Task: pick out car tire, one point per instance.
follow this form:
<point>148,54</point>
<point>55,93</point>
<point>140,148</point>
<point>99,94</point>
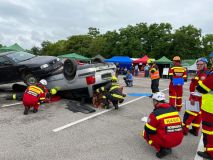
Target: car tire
<point>70,67</point>
<point>30,79</point>
<point>98,60</point>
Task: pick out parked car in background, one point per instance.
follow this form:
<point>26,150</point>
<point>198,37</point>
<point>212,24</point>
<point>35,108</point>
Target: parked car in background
<point>22,66</point>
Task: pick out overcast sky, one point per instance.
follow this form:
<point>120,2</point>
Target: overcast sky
<point>29,22</point>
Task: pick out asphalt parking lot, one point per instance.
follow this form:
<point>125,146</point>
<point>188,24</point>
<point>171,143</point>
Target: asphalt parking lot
<point>58,134</point>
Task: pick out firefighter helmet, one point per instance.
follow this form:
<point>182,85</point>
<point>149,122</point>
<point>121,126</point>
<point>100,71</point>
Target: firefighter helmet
<point>43,82</point>
<point>203,59</point>
<point>114,79</point>
<point>176,58</point>
<point>159,96</point>
<point>149,61</point>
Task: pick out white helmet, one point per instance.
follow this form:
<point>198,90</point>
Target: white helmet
<point>43,81</point>
<point>159,96</point>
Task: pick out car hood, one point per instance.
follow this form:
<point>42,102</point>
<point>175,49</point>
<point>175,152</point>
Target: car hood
<point>38,60</point>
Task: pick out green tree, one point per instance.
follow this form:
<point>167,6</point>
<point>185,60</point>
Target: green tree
<point>111,47</point>
<point>186,41</point>
<point>79,44</point>
<point>94,32</point>
<point>207,44</point>
<point>35,50</point>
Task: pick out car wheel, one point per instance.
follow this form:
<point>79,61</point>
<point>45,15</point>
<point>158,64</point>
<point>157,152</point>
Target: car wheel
<point>70,67</point>
<point>30,79</point>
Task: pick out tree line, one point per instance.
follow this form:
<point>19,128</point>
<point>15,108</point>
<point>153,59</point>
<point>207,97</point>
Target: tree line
<point>154,40</point>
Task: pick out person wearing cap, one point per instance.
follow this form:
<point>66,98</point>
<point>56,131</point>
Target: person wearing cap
<point>206,88</point>
<point>163,129</point>
<point>33,95</point>
<point>111,92</point>
<point>191,117</point>
<point>154,75</point>
<point>177,75</point>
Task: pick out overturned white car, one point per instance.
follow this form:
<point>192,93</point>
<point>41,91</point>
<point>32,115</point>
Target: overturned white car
<point>76,81</point>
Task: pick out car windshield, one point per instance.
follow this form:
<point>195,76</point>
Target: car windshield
<point>20,56</point>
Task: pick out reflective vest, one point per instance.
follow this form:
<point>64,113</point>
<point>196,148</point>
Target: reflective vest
<point>207,99</point>
<point>154,72</point>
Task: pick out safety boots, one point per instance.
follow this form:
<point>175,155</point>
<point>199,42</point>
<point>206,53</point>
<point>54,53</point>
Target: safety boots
<point>204,155</point>
<point>163,152</point>
<point>26,110</point>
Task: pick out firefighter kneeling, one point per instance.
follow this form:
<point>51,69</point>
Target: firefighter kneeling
<point>33,95</point>
<point>163,129</point>
<point>112,92</point>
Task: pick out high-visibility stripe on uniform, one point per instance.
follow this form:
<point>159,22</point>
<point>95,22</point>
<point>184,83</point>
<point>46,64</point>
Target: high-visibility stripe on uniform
<point>167,115</point>
<point>179,97</point>
<point>42,98</point>
<point>184,76</point>
<point>178,68</point>
<point>191,113</point>
<point>114,87</point>
<point>204,86</point>
<point>196,78</point>
<point>14,96</point>
<point>195,125</point>
<point>172,96</point>
<point>183,124</point>
<point>207,132</point>
<point>151,127</point>
<point>142,133</point>
<point>150,142</point>
<point>36,89</point>
<point>117,96</point>
<point>102,88</point>
<point>103,96</point>
<point>171,74</point>
<point>208,149</point>
<point>179,105</point>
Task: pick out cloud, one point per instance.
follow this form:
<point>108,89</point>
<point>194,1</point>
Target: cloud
<point>31,22</point>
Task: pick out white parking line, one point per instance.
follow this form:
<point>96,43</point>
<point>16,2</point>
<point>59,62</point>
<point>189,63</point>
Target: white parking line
<point>95,115</point>
<point>13,104</point>
<point>199,148</point>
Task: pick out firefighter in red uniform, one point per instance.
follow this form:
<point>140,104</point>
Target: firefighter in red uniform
<point>191,117</point>
<point>177,76</point>
<point>163,129</point>
<point>154,75</point>
<point>33,95</point>
<point>206,88</point>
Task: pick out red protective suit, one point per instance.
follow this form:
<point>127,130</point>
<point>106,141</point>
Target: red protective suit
<point>176,90</point>
<point>32,97</point>
<point>206,88</point>
<point>163,129</point>
<point>191,117</point>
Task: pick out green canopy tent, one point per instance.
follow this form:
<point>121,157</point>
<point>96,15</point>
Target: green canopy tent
<point>74,56</point>
<point>190,64</point>
<point>163,60</point>
<point>14,47</point>
<point>162,63</point>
